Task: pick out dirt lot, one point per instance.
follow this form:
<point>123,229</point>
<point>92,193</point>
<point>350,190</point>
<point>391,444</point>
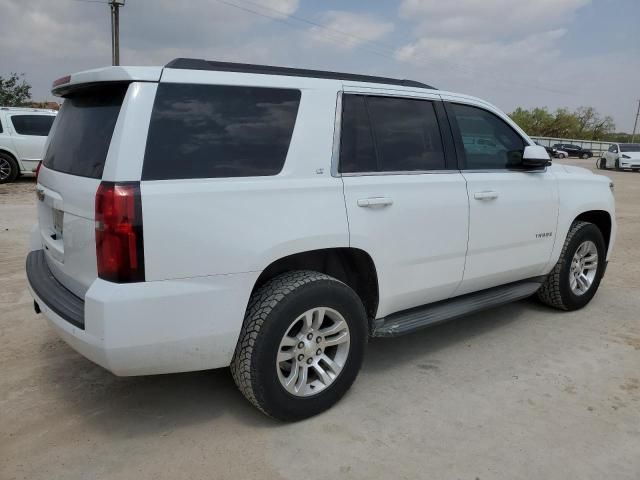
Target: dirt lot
<point>519,392</point>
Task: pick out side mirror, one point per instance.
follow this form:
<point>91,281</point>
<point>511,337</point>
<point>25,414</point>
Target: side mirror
<point>535,157</point>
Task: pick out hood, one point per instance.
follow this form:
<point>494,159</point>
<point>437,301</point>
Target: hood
<point>572,169</point>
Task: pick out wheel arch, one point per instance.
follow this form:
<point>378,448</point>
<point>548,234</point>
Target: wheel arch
<point>11,153</point>
<point>601,219</point>
<point>352,266</point>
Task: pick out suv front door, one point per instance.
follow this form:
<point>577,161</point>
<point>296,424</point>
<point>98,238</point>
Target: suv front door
<point>406,200</point>
<point>513,213</point>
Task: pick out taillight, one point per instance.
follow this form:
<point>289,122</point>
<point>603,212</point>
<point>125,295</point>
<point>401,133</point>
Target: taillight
<point>119,243</point>
<point>38,170</point>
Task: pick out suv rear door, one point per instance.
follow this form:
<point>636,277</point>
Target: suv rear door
<point>406,201</point>
<point>30,132</point>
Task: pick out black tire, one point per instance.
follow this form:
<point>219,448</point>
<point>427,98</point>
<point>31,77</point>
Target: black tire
<point>585,155</point>
<point>271,310</point>
<point>602,164</point>
<point>617,164</point>
<point>7,161</point>
<point>555,291</point>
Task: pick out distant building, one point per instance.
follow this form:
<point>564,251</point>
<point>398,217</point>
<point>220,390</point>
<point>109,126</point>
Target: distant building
<point>47,105</point>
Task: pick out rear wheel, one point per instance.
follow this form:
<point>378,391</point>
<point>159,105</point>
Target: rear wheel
<point>575,279</point>
<point>561,155</point>
<point>8,168</point>
<point>602,164</point>
<point>584,155</point>
<point>301,345</point>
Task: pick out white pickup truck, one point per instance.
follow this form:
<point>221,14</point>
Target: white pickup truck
<point>205,214</point>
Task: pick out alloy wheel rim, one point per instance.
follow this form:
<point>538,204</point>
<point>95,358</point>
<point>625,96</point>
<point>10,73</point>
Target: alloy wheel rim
<point>313,352</point>
<point>584,266</point>
<point>5,169</point>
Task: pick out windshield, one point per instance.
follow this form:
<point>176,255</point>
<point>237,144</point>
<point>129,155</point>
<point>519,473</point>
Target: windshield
<point>630,147</point>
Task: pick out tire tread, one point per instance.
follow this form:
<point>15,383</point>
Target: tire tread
<point>549,293</point>
<point>262,302</point>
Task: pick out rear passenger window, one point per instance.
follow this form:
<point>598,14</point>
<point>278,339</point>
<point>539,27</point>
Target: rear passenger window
<point>36,125</point>
<point>211,131</point>
<point>357,153</point>
<point>389,134</point>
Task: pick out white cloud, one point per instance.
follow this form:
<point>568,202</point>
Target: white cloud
<point>487,19</point>
<point>359,29</point>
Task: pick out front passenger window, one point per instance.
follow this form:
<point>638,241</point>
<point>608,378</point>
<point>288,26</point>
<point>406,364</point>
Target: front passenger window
<point>489,142</point>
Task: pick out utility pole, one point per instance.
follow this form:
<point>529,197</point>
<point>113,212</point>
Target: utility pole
<point>635,124</point>
<point>115,30</point>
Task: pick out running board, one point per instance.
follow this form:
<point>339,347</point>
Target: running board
<point>420,317</point>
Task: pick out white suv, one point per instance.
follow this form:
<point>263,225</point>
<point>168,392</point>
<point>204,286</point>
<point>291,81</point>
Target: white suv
<point>23,132</point>
<point>208,214</point>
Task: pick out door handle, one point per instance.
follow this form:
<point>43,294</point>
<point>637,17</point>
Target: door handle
<point>486,195</point>
<point>375,202</point>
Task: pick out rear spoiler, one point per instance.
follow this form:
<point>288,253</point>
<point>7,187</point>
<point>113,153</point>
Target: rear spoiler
<point>77,81</point>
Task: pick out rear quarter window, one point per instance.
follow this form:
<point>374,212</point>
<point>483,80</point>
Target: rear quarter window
<point>213,131</point>
<point>34,125</point>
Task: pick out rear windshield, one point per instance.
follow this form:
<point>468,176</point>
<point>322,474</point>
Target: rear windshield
<point>35,125</point>
<point>211,131</point>
<point>82,133</point>
<point>630,147</point>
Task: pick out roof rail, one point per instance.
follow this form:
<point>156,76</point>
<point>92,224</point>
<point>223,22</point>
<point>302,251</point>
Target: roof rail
<point>28,109</point>
<point>199,64</point>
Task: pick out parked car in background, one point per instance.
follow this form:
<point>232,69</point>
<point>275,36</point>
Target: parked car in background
<point>23,132</point>
<point>621,156</point>
<point>554,152</point>
<point>207,214</point>
<point>574,150</point>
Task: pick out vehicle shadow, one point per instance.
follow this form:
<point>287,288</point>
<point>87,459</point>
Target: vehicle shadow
<point>154,405</point>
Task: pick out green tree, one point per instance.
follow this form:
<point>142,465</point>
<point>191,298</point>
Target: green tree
<point>584,123</point>
<point>14,90</point>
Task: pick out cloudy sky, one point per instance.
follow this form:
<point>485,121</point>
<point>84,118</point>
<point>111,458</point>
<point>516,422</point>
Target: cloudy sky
<point>511,52</point>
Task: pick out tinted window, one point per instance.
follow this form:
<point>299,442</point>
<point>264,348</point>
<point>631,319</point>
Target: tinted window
<point>357,153</point>
<point>630,147</point>
<point>37,125</point>
<point>406,134</point>
<point>82,134</point>
<point>205,131</point>
<point>389,134</point>
<point>489,143</point>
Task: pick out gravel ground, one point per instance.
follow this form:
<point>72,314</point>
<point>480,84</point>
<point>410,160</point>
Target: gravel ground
<point>518,392</point>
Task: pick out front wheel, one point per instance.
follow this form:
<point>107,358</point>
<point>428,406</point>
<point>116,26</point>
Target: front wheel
<point>617,165</point>
<point>301,344</point>
<point>575,279</point>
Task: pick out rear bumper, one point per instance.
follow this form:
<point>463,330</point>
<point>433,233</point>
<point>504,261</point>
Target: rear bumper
<point>154,327</point>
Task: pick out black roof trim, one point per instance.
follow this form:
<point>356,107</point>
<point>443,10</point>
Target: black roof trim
<point>198,64</point>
